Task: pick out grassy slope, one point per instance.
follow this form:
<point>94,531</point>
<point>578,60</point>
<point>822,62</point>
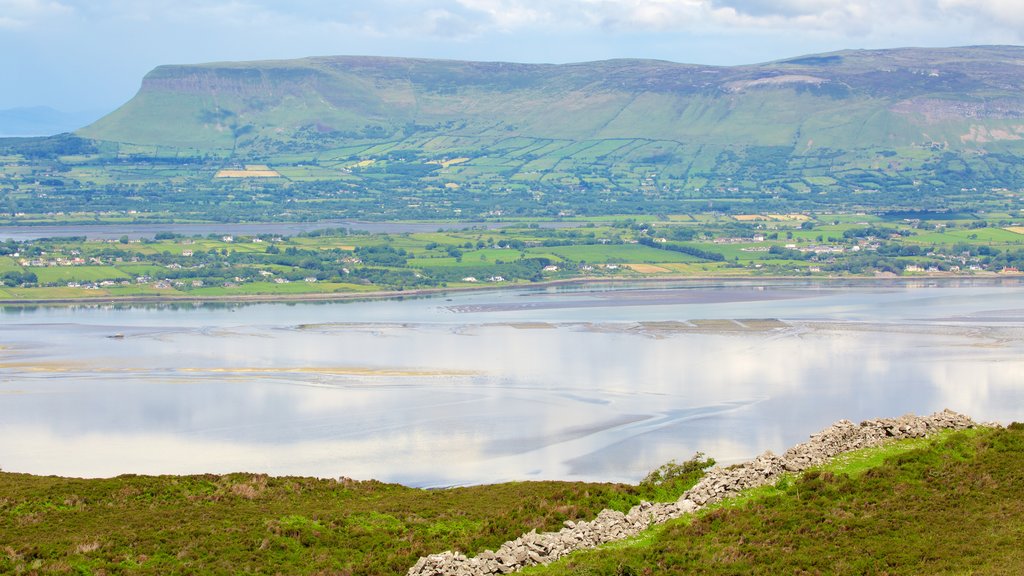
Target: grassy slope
<point>954,507</point>
<point>599,100</point>
<point>244,523</point>
<point>905,516</point>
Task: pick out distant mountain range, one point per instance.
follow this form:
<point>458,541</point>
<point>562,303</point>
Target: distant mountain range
<point>968,98</point>
<point>42,121</point>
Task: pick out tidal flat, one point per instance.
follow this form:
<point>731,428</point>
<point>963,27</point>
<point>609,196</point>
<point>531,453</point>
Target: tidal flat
<point>596,383</point>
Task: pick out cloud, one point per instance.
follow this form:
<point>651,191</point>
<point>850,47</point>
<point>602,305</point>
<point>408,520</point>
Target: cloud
<point>1001,13</point>
<point>25,13</point>
<point>476,19</point>
<point>511,14</point>
<point>784,8</point>
<point>853,18</point>
<point>447,24</point>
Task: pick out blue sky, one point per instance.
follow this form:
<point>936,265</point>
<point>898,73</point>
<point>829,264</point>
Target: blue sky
<point>91,55</point>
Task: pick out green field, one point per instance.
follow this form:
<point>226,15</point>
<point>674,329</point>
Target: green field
<point>78,274</point>
<point>701,245</point>
<point>621,253</point>
<point>8,264</point>
<point>270,288</point>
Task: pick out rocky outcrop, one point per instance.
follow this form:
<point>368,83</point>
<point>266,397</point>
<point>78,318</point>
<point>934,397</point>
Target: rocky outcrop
<point>719,483</point>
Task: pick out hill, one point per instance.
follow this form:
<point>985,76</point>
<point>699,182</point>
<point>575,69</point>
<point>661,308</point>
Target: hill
<point>958,98</point>
<point>396,138</point>
<point>898,509</point>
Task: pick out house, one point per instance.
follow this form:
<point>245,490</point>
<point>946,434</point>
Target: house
<point>469,279</point>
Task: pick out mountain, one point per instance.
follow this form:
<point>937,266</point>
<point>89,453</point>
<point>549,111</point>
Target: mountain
<point>895,131</point>
<point>42,121</point>
<point>955,98</point>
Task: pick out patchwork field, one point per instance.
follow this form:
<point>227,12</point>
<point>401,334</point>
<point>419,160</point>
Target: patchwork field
<point>250,171</point>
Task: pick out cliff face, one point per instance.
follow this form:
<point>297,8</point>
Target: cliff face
<point>959,97</point>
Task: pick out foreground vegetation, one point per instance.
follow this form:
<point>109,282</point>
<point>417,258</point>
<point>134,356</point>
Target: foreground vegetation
<point>244,523</point>
<point>859,515</point>
<point>948,506</point>
<point>338,261</point>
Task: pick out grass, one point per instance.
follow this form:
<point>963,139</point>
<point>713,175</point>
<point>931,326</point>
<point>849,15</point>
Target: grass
<point>78,274</point>
<point>990,236</point>
<point>8,264</point>
<point>254,524</point>
<point>625,253</point>
<point>951,504</point>
<point>270,288</point>
<point>948,505</point>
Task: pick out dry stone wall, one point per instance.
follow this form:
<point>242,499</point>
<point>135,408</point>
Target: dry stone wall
<point>719,483</point>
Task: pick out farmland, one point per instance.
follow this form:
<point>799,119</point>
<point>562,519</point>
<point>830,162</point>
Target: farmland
<point>340,263</point>
<point>483,178</point>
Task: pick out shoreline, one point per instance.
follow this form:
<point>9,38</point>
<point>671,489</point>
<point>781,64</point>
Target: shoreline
<point>425,292</point>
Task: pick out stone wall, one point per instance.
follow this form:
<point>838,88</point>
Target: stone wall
<point>719,483</point>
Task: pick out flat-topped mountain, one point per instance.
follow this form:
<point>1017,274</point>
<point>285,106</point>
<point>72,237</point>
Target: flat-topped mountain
<point>897,131</point>
<point>955,98</point>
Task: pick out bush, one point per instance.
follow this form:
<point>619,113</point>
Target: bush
<point>670,480</point>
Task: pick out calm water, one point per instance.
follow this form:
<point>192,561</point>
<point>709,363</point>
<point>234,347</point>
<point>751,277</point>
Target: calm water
<point>596,383</point>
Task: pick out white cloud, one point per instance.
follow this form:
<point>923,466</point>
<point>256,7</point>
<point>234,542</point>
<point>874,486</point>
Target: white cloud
<point>510,14</point>
<point>847,18</point>
<point>24,13</point>
<point>467,19</point>
<point>1000,13</point>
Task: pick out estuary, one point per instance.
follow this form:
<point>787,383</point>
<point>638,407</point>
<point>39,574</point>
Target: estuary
<point>580,382</point>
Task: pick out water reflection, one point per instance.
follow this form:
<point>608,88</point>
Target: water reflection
<point>432,392</point>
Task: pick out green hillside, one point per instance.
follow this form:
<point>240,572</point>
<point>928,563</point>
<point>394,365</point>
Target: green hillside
<point>963,98</point>
<point>949,505</point>
<point>387,138</point>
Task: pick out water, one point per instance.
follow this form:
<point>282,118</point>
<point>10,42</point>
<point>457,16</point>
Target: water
<point>600,382</point>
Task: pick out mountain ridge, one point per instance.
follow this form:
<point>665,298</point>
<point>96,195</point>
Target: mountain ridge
<point>918,90</point>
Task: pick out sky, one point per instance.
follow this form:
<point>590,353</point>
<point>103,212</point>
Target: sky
<point>77,55</point>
